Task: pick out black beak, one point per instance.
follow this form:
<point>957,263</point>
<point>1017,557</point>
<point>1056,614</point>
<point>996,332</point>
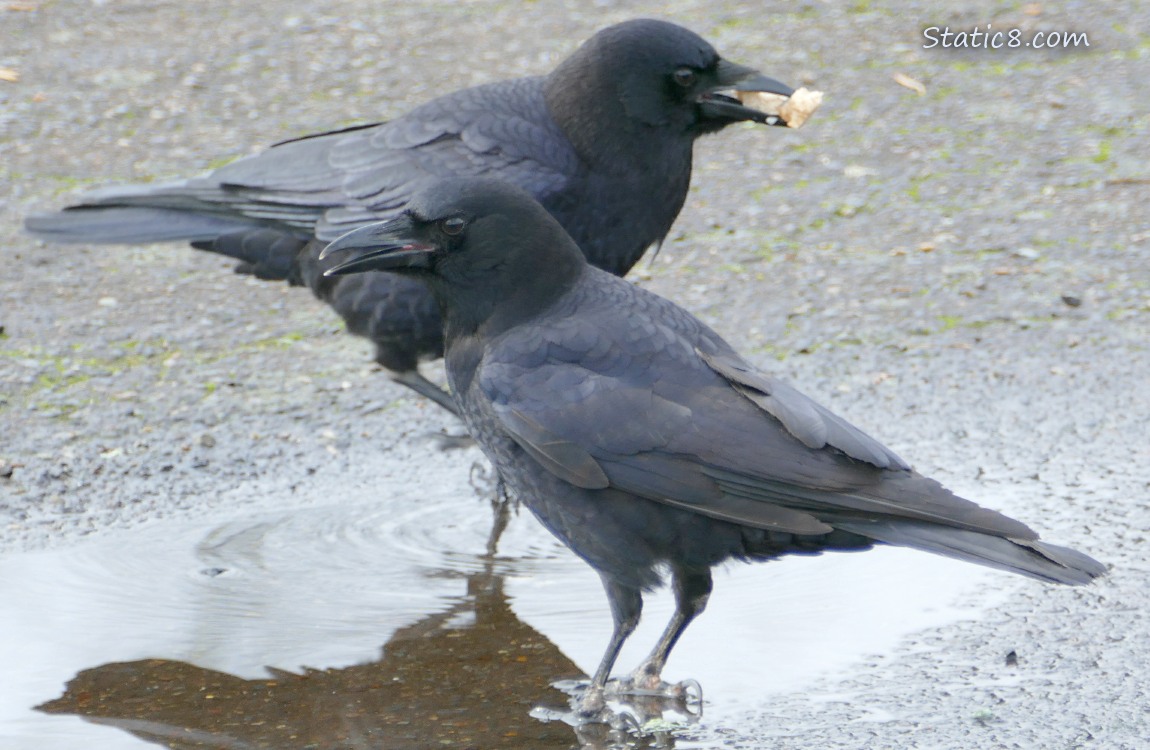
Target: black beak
<point>386,246</point>
<point>716,104</point>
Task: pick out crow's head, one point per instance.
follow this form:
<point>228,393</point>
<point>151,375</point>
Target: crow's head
<point>654,75</point>
<point>481,244</point>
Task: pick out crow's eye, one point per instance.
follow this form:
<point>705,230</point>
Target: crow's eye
<point>452,226</point>
<point>685,77</point>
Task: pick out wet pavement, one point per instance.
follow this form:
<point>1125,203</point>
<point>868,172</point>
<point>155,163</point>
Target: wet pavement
<point>207,490</point>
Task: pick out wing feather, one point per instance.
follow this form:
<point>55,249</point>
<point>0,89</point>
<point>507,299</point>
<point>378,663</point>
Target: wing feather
<point>651,402</point>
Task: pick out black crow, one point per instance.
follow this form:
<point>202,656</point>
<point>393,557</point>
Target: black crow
<point>638,436</point>
<point>604,142</point>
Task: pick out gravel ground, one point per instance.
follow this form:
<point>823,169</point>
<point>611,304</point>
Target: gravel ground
<point>962,271</point>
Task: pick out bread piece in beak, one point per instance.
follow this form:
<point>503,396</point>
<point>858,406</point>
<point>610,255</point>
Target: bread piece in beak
<point>794,110</point>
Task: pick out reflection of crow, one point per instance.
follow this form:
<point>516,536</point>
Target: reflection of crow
<point>466,678</point>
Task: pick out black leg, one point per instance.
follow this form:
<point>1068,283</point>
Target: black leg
<point>502,503</point>
<point>424,387</point>
<point>501,507</point>
<point>626,608</point>
<point>692,589</point>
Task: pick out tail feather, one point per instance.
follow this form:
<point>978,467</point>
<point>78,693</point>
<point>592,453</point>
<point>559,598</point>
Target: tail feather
<point>128,225</point>
<point>1046,562</point>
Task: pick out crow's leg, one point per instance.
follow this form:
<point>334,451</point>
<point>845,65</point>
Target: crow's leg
<point>692,589</point>
<point>626,608</point>
<point>485,480</point>
<point>501,509</point>
<point>397,353</point>
<point>424,387</point>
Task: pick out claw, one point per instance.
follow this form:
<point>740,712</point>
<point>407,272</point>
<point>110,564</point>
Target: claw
<point>690,693</point>
<point>592,706</point>
<point>622,710</point>
<point>588,706</point>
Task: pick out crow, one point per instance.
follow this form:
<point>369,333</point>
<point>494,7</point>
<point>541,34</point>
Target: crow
<point>604,142</point>
<point>639,437</point>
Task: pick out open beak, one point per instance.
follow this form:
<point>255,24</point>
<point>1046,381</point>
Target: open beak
<point>386,246</point>
<point>718,102</point>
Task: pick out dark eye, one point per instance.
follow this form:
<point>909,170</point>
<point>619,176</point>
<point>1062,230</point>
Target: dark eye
<point>452,226</point>
<point>685,77</point>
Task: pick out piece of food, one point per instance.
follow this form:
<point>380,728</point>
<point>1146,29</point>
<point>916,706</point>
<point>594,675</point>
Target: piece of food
<point>793,110</point>
<point>914,85</point>
<point>800,106</point>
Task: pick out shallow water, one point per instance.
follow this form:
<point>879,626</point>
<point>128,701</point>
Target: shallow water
<point>336,626</point>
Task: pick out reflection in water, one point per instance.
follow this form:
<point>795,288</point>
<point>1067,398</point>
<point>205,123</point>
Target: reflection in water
<point>466,677</point>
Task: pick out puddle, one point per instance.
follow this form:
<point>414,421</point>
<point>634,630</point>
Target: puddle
<point>369,624</point>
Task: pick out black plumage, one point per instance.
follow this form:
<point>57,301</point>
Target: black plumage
<point>640,437</point>
<point>604,142</point>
